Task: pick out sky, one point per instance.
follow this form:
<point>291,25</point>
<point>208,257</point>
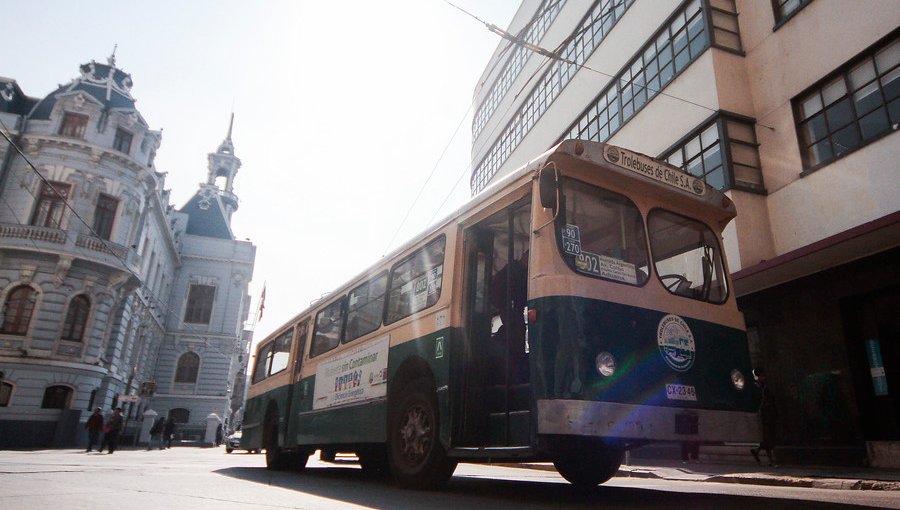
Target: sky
<point>342,110</point>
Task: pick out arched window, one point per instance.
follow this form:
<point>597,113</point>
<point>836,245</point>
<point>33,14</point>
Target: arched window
<point>5,393</point>
<point>180,415</point>
<point>188,364</point>
<point>17,310</point>
<point>57,397</point>
<point>73,327</point>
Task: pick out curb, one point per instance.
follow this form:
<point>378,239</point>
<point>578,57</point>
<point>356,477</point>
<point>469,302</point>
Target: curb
<point>749,479</point>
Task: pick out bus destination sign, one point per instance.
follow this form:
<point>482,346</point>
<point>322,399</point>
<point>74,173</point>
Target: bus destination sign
<point>653,169</point>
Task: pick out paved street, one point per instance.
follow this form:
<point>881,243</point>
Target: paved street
<point>208,478</point>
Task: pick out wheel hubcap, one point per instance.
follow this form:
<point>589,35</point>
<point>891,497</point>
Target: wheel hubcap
<point>415,435</point>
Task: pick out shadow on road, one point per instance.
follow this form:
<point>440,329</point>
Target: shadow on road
<point>350,485</point>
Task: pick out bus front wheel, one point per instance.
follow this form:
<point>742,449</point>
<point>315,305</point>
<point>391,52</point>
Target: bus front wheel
<point>589,468</point>
<point>415,454</point>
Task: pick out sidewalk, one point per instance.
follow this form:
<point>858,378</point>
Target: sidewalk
<point>817,477</point>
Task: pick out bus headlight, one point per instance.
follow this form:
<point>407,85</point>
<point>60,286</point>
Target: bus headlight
<point>737,379</point>
<point>606,364</point>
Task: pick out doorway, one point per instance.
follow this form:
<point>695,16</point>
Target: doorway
<point>497,385</point>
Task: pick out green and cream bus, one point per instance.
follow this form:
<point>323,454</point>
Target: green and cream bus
<point>578,308</point>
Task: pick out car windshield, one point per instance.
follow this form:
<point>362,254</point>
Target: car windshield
<point>687,257</point>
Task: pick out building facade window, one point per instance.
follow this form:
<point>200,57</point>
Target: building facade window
<point>17,310</point>
<point>180,415</point>
<point>76,318</point>
<point>784,9</point>
<point>187,368</point>
<point>73,125</point>
<point>723,17</point>
<point>531,34</point>
<point>852,107</point>
<point>5,393</point>
<point>51,203</point>
<point>199,304</point>
<point>578,48</point>
<point>122,141</point>
<point>57,397</point>
<point>723,152</point>
<point>105,215</point>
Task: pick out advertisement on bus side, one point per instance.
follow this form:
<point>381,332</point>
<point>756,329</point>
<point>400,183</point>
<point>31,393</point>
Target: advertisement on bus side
<point>353,376</point>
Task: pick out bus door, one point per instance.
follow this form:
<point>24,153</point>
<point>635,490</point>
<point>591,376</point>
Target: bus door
<point>497,377</point>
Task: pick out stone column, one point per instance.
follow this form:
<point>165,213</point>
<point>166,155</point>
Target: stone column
<point>212,423</point>
<point>149,420</point>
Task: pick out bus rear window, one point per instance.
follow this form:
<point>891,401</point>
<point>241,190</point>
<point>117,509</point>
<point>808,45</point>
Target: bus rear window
<point>273,357</point>
<point>687,257</point>
<point>416,281</point>
<point>601,234</point>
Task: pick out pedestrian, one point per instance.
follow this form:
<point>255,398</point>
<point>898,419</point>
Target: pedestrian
<point>690,450</point>
<point>94,426</point>
<point>114,425</point>
<point>218,435</point>
<point>105,436</point>
<point>768,417</point>
<point>169,432</point>
<point>156,434</point>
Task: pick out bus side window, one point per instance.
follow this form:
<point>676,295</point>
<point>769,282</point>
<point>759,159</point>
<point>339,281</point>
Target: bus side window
<point>281,352</point>
<point>416,281</point>
<point>365,307</point>
<point>329,326</point>
<point>263,362</point>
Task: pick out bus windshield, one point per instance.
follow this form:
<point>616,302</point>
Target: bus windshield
<point>602,234</point>
<point>687,257</point>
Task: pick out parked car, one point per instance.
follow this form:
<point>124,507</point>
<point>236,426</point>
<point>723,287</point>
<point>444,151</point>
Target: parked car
<point>233,442</point>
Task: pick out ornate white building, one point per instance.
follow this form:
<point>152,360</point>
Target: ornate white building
<point>107,290</point>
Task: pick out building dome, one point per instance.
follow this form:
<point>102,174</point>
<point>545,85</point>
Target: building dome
<point>105,82</point>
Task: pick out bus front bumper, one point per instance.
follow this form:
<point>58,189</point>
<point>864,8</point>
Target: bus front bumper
<point>642,422</point>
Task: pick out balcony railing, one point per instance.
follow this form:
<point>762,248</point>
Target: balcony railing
<point>90,242</point>
<point>45,234</point>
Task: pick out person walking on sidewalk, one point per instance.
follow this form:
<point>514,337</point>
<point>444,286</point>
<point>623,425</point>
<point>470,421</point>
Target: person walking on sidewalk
<point>93,426</point>
<point>115,428</point>
<point>169,432</point>
<point>768,417</point>
<point>156,434</point>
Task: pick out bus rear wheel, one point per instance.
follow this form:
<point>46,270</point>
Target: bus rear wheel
<point>590,467</point>
<point>276,459</point>
<point>415,454</point>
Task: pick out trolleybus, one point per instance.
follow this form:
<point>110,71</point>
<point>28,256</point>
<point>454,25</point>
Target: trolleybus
<point>578,308</point>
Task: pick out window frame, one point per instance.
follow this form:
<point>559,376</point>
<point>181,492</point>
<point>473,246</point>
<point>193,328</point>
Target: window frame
<point>70,325</point>
<point>119,141</point>
<point>195,307</point>
<point>316,349</point>
<point>50,399</point>
<point>23,314</point>
<point>782,18</point>
<point>73,125</point>
<point>390,285</point>
<point>380,316</point>
<point>179,368</point>
<point>50,205</point>
<point>6,392</point>
<point>842,73</point>
<point>105,215</point>
<point>716,237</point>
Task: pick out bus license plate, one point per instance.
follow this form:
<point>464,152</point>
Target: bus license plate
<point>681,392</point>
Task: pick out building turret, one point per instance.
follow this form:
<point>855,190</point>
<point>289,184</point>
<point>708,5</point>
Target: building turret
<point>224,164</point>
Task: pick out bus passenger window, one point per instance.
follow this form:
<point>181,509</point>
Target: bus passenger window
<point>329,323</point>
<point>263,362</point>
<point>601,234</point>
<point>365,306</point>
<point>281,351</point>
<point>416,281</point>
<point>687,257</point>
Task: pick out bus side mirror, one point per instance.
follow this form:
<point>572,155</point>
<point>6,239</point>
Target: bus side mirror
<point>548,181</point>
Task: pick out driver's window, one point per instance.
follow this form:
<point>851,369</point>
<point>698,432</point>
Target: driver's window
<point>687,257</point>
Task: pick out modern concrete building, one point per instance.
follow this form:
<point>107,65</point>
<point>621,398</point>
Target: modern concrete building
<point>792,107</point>
<point>109,294</point>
